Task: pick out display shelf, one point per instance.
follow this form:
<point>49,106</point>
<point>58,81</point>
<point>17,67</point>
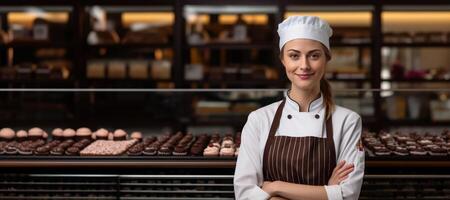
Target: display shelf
<point>343,44</point>
<point>415,44</point>
<point>230,2</point>
<point>417,80</point>
<point>271,83</point>
<point>131,46</point>
<point>36,44</point>
<point>350,79</point>
<point>229,45</point>
<point>189,162</point>
<point>37,3</point>
<point>129,2</point>
<point>79,20</point>
<point>416,122</point>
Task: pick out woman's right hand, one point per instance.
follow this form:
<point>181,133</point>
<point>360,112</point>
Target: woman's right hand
<point>340,173</point>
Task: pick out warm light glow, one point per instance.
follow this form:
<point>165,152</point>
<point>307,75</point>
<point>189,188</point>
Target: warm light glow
<point>203,19</point>
<point>26,18</point>
<point>354,18</point>
<point>146,17</point>
<point>249,19</point>
<point>435,18</point>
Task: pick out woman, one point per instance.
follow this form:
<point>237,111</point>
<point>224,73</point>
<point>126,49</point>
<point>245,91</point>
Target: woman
<point>303,147</point>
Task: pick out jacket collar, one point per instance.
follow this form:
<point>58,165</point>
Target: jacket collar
<point>314,106</point>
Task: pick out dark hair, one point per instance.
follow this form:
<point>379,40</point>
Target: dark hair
<point>325,86</point>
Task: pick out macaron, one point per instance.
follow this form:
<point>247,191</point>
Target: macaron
<point>136,135</point>
<point>57,134</point>
<point>35,133</point>
<point>120,134</point>
<point>69,133</point>
<point>7,134</point>
<point>101,134</point>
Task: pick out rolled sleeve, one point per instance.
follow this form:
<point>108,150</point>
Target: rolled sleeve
<point>334,192</point>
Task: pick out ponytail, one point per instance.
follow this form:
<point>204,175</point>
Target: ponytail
<point>325,88</point>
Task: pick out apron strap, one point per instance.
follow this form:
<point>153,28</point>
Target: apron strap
<point>273,129</point>
<point>330,140</point>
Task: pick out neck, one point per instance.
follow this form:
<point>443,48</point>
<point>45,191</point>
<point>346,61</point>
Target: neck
<point>304,97</point>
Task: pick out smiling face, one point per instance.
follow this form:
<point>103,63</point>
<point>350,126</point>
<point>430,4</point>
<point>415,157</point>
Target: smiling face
<point>304,61</point>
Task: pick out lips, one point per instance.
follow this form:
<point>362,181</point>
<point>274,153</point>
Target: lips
<point>305,76</point>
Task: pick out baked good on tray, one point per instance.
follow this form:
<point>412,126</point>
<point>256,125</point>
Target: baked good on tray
<point>107,148</point>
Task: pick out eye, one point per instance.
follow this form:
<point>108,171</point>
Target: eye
<point>294,56</point>
<point>315,56</point>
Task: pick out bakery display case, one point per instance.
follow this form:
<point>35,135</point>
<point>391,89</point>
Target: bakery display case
<point>229,45</point>
<point>122,154</point>
<point>146,32</point>
<point>35,44</point>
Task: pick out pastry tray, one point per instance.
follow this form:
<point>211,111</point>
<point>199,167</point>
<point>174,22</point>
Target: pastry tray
<point>112,158</point>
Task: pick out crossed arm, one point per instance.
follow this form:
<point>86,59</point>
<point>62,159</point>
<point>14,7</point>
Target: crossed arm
<point>279,190</point>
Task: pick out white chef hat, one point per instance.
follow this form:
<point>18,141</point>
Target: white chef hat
<point>305,27</point>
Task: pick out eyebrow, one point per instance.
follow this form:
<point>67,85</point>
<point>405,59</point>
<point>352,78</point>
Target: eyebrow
<point>297,51</point>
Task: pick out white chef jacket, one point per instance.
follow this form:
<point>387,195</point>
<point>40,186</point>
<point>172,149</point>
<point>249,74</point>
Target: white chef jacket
<point>248,177</point>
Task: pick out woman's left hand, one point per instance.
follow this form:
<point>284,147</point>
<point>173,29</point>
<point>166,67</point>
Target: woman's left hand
<point>269,187</point>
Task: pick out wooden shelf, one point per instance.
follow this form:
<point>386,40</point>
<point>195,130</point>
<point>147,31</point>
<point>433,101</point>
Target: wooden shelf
<point>229,2</point>
<point>341,44</point>
<point>38,81</point>
<point>129,2</point>
<point>37,3</point>
<point>36,44</point>
<point>120,46</point>
<point>417,80</point>
<point>233,46</point>
<point>418,122</point>
<point>350,79</point>
<point>386,44</point>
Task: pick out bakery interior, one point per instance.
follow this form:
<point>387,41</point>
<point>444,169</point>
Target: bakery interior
<point>145,99</point>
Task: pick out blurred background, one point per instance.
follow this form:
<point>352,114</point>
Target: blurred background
<point>201,67</point>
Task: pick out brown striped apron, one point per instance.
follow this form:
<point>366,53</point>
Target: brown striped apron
<point>301,160</point>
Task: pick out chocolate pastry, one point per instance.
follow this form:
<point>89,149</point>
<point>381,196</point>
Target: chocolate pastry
<point>401,151</point>
<point>72,151</point>
<point>180,150</point>
<point>57,151</point>
<point>438,151</point>
<point>165,150</point>
<point>136,149</point>
<point>418,152</point>
<point>25,149</point>
<point>11,148</point>
<point>44,150</point>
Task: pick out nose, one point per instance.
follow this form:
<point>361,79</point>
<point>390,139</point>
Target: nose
<point>304,64</point>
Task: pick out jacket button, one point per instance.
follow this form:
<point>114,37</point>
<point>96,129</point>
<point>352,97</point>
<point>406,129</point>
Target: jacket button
<point>289,116</point>
<point>317,116</point>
